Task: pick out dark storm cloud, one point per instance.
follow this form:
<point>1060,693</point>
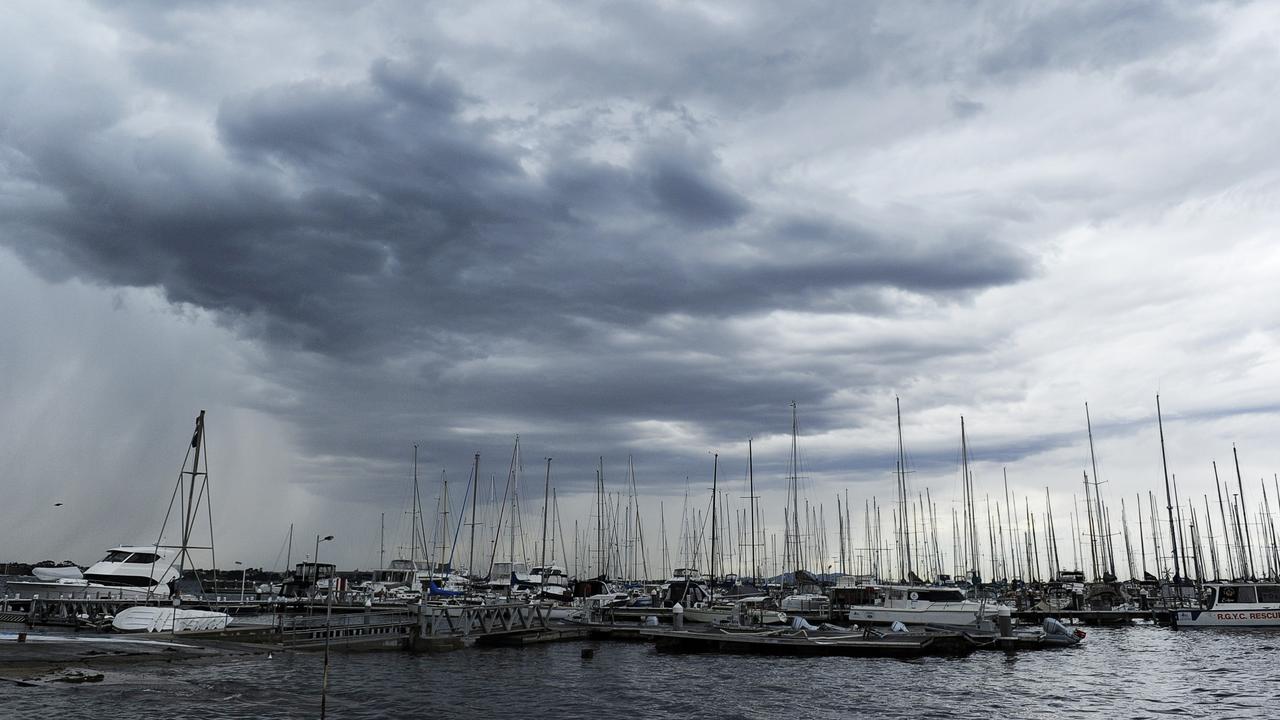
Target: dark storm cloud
<point>445,272</point>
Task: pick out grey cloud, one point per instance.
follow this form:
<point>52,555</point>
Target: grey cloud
<point>408,274</point>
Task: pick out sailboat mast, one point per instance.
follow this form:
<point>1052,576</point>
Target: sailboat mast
<point>1173,531</point>
<point>902,493</point>
<point>546,506</point>
<point>1093,538</point>
<point>189,514</point>
<point>475,491</point>
<point>1248,538</point>
<point>413,521</point>
<point>715,469</point>
<point>1107,559</point>
<point>751,490</point>
<point>1142,545</point>
<point>1226,528</point>
<point>970,551</point>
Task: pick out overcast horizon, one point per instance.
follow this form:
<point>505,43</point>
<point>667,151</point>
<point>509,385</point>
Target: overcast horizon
<point>625,230</point>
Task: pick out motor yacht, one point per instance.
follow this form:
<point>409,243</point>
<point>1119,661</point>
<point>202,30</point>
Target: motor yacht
<point>921,605</point>
<point>128,572</point>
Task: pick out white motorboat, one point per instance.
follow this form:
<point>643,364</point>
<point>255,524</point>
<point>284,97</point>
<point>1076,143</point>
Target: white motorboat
<point>549,583</point>
<point>921,605</point>
<point>755,610</point>
<point>145,618</point>
<point>687,587</point>
<point>810,606</point>
<point>1234,605</point>
<point>128,572</point>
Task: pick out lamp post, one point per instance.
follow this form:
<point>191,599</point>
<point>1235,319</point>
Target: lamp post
<point>328,617</point>
<point>315,570</point>
<point>243,570</point>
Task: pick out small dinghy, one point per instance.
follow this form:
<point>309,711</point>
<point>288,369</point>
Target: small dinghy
<point>167,619</point>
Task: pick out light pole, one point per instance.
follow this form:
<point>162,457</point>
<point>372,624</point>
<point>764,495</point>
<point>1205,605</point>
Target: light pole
<point>243,570</point>
<point>328,616</point>
<point>315,570</point>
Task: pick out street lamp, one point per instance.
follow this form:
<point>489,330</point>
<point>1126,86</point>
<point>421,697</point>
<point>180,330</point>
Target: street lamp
<point>243,570</point>
<point>328,618</point>
<point>315,571</point>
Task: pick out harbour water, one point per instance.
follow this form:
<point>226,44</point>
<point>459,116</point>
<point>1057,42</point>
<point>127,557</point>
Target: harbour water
<point>1141,671</point>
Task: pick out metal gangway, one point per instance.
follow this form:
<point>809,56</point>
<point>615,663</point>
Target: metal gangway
<point>384,628</point>
<point>478,621</point>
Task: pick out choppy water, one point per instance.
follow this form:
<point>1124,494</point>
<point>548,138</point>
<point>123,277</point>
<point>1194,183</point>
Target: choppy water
<point>1135,672</point>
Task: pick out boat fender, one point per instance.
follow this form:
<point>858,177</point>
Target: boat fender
<point>898,627</point>
<point>1080,633</point>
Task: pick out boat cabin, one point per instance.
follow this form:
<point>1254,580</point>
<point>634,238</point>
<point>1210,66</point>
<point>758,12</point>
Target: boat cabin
<point>1252,594</point>
<point>928,594</point>
<point>140,567</point>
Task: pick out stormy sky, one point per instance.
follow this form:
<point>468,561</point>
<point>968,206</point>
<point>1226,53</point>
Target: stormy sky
<point>624,229</point>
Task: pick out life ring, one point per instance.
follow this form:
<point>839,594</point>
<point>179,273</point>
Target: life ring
<point>914,596</point>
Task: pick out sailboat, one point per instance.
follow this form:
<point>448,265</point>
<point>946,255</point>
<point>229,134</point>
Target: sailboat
<point>130,572</point>
<point>191,493</point>
<point>807,601</point>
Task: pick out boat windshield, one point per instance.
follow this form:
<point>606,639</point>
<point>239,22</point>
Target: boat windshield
<point>144,558</point>
<point>116,556</point>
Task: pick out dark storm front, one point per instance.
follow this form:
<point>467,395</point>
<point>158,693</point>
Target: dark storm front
<point>1138,671</point>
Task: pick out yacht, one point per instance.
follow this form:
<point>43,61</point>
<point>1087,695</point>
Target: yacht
<point>921,605</point>
<point>810,606</point>
<point>754,610</point>
<point>549,583</point>
<point>1234,605</point>
<point>685,586</point>
<point>128,572</point>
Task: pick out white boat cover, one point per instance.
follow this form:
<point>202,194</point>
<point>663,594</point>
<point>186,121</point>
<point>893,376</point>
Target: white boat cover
<point>143,618</point>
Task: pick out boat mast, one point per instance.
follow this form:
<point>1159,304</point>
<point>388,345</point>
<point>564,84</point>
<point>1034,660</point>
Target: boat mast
<point>751,492</point>
<point>970,533</point>
<point>546,505</point>
<point>1142,544</point>
<point>715,469</point>
<point>475,490</point>
<point>413,523</point>
<point>600,502</point>
<point>904,524</point>
<point>1093,539</point>
<point>1128,549</point>
<point>1248,539</point>
<point>1107,558</point>
<point>1213,546</point>
<point>1173,532</point>
<point>794,551</point>
<point>1226,528</point>
<point>444,534</point>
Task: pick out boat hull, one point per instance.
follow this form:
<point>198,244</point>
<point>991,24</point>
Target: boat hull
<point>922,616</point>
<point>82,590</point>
<point>1228,618</point>
<point>167,619</point>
